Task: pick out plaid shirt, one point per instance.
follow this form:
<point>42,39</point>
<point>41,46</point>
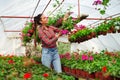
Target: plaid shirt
<point>48,36</point>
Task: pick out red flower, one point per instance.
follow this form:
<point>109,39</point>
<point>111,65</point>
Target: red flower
<point>11,56</point>
<point>30,31</point>
<point>37,62</point>
<point>10,61</point>
<point>104,68</point>
<point>27,75</point>
<point>45,75</point>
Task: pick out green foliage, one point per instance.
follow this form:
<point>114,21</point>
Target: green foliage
<point>103,27</point>
<point>102,12</point>
<point>105,2</point>
<point>16,70</point>
<point>63,47</point>
<point>99,60</point>
<point>26,36</point>
<point>68,24</point>
<point>52,20</point>
<point>80,34</point>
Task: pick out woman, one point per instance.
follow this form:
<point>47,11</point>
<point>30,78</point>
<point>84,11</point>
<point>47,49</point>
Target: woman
<point>48,36</point>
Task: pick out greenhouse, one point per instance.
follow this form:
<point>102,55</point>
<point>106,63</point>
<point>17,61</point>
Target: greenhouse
<point>59,39</point>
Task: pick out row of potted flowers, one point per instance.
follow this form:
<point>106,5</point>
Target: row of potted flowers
<point>92,65</point>
<point>83,34</point>
<point>24,68</point>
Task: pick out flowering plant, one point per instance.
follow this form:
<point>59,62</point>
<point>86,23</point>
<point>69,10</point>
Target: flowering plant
<point>27,75</point>
<point>27,32</point>
<point>104,3</point>
<point>12,68</point>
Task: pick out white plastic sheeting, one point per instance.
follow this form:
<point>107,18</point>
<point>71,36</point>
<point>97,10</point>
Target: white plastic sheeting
<point>109,42</point>
<point>26,8</point>
<point>10,45</point>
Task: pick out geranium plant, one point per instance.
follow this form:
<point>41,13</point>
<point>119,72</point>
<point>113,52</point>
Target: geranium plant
<point>13,68</point>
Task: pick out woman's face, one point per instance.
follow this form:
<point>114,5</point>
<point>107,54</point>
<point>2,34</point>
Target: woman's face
<point>43,20</point>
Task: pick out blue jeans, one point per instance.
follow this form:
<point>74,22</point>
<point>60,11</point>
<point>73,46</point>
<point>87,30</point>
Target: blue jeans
<point>51,56</point>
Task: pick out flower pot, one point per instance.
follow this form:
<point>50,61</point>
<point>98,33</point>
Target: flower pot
<point>65,69</point>
<point>109,31</point>
<point>78,72</point>
<point>84,74</point>
<point>92,75</point>
<point>89,37</point>
<point>73,72</point>
<point>93,34</point>
<point>108,77</point>
<point>84,38</point>
<point>104,32</point>
<point>118,30</point>
<point>99,75</point>
<point>100,33</point>
<point>113,29</point>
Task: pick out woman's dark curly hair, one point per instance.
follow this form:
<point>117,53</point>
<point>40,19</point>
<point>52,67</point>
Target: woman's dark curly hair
<point>37,19</point>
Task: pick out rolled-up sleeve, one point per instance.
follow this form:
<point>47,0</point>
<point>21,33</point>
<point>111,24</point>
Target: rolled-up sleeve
<point>45,39</point>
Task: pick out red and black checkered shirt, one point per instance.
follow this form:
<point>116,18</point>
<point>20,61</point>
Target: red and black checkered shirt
<point>48,37</point>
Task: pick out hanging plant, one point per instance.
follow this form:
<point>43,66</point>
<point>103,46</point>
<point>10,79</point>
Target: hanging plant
<point>27,34</point>
<point>102,3</point>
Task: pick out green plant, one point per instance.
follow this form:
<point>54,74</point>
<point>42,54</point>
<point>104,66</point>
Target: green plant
<point>104,4</point>
<point>27,33</point>
<point>79,34</point>
<point>63,47</point>
<point>12,68</point>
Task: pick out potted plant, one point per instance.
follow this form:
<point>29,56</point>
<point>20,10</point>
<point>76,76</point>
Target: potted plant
<point>27,33</point>
<point>80,35</point>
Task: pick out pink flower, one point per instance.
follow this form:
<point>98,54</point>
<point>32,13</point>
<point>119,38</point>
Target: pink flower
<point>97,2</point>
<point>22,34</point>
<point>96,52</point>
<point>84,57</point>
<point>80,27</point>
<point>91,58</point>
<point>61,56</point>
<point>28,34</point>
<point>68,56</point>
<point>32,21</point>
<point>64,31</point>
